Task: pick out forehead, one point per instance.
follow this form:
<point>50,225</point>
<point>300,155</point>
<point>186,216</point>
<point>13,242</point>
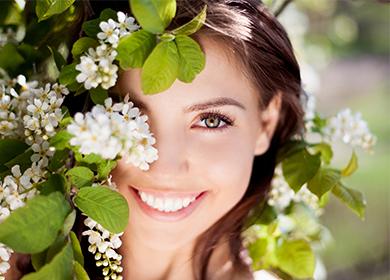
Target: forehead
<point>222,76</point>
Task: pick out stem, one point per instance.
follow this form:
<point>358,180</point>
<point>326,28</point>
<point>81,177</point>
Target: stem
<point>282,7</point>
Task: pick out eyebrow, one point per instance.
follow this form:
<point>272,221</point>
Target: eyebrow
<point>216,102</point>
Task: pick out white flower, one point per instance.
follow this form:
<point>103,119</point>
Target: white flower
<point>126,24</point>
<point>88,74</point>
<point>43,152</point>
<point>5,255</point>
<point>351,129</point>
<point>110,32</point>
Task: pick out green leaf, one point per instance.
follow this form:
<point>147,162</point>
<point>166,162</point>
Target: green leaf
<point>299,168</point>
<point>324,180</point>
<point>108,13</point>
<point>78,254</point>
<point>80,272</point>
<point>290,148</point>
<point>23,160</point>
<point>80,176</point>
<point>68,223</point>
<point>55,183</point>
<point>192,59</point>
<point>154,16</point>
<point>325,150</point>
<point>68,74</point>
<point>104,168</point>
<point>258,249</point>
<point>351,167</point>
<point>354,199</point>
<point>58,160</point>
<point>98,95</point>
<point>10,58</point>
<point>60,268</point>
<point>23,230</point>
<point>192,26</point>
<point>60,141</point>
<point>133,49</point>
<point>91,27</point>
<point>10,148</point>
<point>109,208</point>
<point>47,8</point>
<point>295,257</point>
<point>160,68</point>
<point>82,45</point>
<point>58,58</point>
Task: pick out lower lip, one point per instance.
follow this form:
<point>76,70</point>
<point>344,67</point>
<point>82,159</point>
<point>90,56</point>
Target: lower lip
<point>167,216</point>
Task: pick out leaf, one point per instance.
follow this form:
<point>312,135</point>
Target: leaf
<point>80,272</point>
<point>23,160</point>
<point>192,26</point>
<point>325,150</point>
<point>68,74</point>
<point>109,208</point>
<point>354,199</point>
<point>82,45</point>
<point>58,160</point>
<point>60,141</point>
<point>324,180</point>
<point>91,27</point>
<point>10,148</point>
<point>10,58</point>
<point>133,49</point>
<point>258,249</point>
<point>290,148</point>
<point>68,223</point>
<point>55,183</point>
<point>80,176</point>
<point>23,230</point>
<point>160,68</point>
<point>60,268</point>
<point>47,8</point>
<point>351,167</point>
<point>77,252</point>
<point>154,16</point>
<point>299,168</point>
<point>192,59</point>
<point>104,168</point>
<point>295,257</point>
<point>58,58</point>
<point>98,95</point>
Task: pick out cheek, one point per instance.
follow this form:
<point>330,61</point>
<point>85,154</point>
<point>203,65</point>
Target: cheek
<point>228,164</point>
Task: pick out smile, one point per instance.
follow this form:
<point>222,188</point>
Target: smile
<point>167,207</point>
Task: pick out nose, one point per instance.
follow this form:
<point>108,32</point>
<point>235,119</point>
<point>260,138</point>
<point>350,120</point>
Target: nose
<point>172,154</point>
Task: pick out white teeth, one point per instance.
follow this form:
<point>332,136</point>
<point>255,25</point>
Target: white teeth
<point>165,204</point>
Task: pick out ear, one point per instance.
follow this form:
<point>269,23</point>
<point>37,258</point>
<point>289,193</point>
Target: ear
<point>269,120</point>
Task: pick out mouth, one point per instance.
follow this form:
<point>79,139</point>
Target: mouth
<point>167,206</point>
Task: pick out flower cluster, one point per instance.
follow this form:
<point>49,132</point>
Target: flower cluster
<point>6,36</point>
<point>281,195</point>
<point>351,129</point>
<point>103,245</point>
<point>113,130</point>
<point>5,255</point>
<point>97,67</point>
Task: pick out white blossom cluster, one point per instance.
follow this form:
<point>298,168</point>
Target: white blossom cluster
<point>103,245</point>
<point>351,129</point>
<point>281,195</point>
<point>309,107</point>
<point>5,255</point>
<point>114,130</point>
<point>7,35</point>
<point>97,66</point>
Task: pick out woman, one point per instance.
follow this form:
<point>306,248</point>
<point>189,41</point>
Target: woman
<point>217,139</point>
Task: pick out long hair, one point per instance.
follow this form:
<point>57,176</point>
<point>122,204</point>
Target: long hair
<point>261,45</point>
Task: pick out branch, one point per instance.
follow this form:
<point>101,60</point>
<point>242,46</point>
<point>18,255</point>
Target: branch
<point>282,7</point>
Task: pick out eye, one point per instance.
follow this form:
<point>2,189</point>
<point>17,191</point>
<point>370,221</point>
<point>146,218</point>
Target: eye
<point>214,119</point>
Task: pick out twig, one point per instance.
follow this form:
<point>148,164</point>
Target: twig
<point>282,7</point>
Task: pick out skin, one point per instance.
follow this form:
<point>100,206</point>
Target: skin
<point>192,159</point>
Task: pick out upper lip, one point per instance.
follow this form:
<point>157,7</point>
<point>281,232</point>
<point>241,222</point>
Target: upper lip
<point>168,193</point>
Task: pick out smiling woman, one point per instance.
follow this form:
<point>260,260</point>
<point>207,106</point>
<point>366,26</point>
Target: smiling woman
<point>217,139</point>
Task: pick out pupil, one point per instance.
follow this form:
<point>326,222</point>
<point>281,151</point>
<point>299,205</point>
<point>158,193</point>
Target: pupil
<point>213,123</point>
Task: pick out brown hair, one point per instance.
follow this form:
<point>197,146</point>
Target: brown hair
<point>259,42</point>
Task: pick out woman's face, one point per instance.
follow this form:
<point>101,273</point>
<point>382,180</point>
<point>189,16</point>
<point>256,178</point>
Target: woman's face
<point>198,153</point>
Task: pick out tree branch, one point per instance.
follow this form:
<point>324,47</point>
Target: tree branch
<point>282,7</point>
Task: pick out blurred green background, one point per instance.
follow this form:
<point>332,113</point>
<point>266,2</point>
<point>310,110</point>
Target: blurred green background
<point>344,48</point>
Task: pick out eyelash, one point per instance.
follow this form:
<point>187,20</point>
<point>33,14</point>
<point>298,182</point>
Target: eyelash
<point>219,115</point>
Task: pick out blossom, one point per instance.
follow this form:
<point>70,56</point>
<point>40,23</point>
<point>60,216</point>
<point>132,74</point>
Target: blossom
<point>110,32</point>
<point>5,255</point>
<point>103,244</point>
<point>114,130</point>
<point>351,129</point>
